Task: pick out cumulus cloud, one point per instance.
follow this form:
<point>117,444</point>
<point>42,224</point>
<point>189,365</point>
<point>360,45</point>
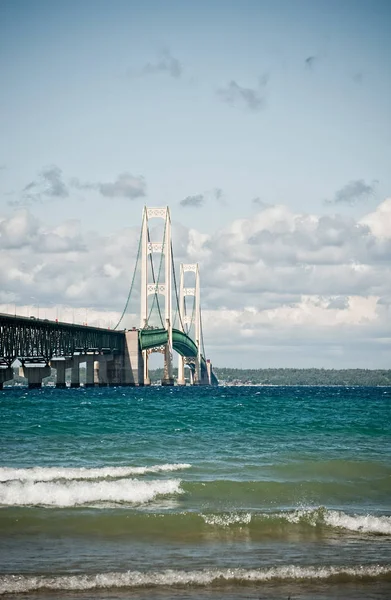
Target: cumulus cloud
<point>354,192</point>
<point>282,288</point>
<point>19,230</point>
<point>125,185</point>
<point>193,201</point>
<point>166,63</point>
<point>254,99</point>
<point>199,200</point>
<point>49,185</point>
<point>379,222</point>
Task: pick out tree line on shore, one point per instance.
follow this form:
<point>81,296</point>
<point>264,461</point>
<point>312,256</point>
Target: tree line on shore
<point>226,375</point>
<point>365,377</point>
<point>229,376</point>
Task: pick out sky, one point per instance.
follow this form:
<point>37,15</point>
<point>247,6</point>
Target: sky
<point>264,125</point>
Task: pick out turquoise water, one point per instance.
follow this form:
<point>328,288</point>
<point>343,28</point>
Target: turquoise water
<point>230,492</point>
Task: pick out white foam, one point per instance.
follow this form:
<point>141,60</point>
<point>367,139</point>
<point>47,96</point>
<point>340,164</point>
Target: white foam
<point>364,523</point>
<point>75,493</point>
<point>54,473</point>
<point>133,579</point>
<point>338,519</point>
<point>226,520</point>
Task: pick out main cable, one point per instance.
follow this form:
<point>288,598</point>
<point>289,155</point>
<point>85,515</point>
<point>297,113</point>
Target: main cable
<point>131,285</point>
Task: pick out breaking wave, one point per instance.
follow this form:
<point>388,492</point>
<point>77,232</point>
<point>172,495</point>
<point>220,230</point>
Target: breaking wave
<point>54,473</point>
<point>136,579</point>
<point>75,493</point>
<point>341,520</point>
<point>68,487</point>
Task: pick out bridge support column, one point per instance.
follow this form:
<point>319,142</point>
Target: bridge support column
<point>89,370</point>
<point>6,373</point>
<point>61,365</point>
<point>209,372</point>
<point>60,368</point>
<point>96,373</point>
<point>35,374</point>
<point>75,372</point>
<point>181,371</point>
<point>101,370</point>
<point>133,360</point>
<point>168,378</point>
<point>115,369</point>
<point>147,380</point>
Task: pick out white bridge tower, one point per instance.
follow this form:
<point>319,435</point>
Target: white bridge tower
<point>148,248</point>
<point>185,319</point>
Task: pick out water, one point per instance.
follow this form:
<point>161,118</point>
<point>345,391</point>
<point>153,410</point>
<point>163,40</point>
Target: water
<point>212,493</point>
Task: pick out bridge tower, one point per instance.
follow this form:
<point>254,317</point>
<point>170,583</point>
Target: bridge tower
<point>153,288</point>
<point>185,319</point>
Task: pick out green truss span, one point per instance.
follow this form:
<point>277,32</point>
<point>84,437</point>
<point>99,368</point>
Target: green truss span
<point>182,343</point>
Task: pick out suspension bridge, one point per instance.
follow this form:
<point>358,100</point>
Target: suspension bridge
<point>170,319</point>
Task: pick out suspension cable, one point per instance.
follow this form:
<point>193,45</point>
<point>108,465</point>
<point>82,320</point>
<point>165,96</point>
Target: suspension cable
<point>176,292</point>
<point>131,285</point>
<point>202,336</point>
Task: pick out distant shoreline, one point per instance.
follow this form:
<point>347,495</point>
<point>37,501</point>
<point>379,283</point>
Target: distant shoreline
<point>295,377</point>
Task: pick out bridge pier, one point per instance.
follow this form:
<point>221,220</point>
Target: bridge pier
<point>75,372</point>
<point>146,378</point>
<point>181,371</point>
<point>101,370</point>
<point>61,365</point>
<point>133,361</point>
<point>128,369</point>
<point>90,379</point>
<point>208,372</point>
<point>34,374</point>
<point>6,373</point>
<point>115,369</point>
<point>168,378</point>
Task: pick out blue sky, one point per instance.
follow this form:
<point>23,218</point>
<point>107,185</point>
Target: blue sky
<point>218,109</point>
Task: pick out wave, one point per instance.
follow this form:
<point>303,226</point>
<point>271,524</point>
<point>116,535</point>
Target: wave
<point>341,520</point>
<point>54,473</point>
<point>136,579</point>
<point>156,523</point>
<point>76,493</point>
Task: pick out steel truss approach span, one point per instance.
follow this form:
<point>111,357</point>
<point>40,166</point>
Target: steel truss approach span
<point>39,340</point>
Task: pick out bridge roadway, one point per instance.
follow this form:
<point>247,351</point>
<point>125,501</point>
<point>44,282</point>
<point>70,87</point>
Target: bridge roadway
<point>112,357</point>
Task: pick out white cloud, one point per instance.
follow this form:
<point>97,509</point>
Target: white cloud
<point>277,289</point>
<point>379,221</point>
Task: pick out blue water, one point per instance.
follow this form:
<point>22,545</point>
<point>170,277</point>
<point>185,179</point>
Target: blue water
<point>230,492</point>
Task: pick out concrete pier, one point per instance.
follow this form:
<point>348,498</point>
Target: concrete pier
<point>34,374</point>
<point>89,360</point>
<point>208,372</point>
<point>181,371</point>
<point>168,378</point>
<point>61,365</point>
<point>75,372</point>
<point>133,365</point>
<point>6,373</point>
<point>103,369</point>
